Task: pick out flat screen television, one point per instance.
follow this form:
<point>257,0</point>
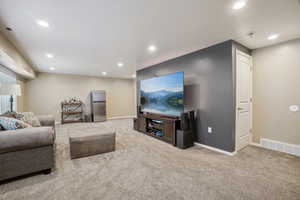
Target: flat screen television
<point>163,94</point>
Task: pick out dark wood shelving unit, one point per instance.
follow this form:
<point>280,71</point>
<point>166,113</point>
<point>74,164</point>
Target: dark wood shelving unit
<point>158,126</point>
<point>72,121</point>
<point>71,112</point>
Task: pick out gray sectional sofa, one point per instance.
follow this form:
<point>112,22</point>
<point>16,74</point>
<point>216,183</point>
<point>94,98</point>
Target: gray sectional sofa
<point>29,150</point>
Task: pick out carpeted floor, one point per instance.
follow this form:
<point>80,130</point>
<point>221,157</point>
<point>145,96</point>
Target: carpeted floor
<point>144,168</point>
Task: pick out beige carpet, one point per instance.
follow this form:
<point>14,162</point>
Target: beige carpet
<point>144,168</point>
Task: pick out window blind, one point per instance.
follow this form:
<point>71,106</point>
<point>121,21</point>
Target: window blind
<point>4,99</point>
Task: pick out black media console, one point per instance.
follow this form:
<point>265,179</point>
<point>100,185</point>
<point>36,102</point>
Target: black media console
<point>165,128</point>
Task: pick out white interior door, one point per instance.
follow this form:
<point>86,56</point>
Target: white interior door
<point>243,99</point>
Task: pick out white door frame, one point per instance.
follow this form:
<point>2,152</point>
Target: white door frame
<point>251,97</point>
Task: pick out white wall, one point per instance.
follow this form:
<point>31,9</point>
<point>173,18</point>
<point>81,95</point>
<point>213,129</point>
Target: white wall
<point>45,93</point>
<point>22,64</point>
<point>276,86</point>
<point>11,50</point>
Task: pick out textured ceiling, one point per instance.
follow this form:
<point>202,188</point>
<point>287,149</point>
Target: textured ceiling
<point>89,37</point>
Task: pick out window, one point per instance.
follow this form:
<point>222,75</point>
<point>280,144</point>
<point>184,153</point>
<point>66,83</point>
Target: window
<point>4,99</point>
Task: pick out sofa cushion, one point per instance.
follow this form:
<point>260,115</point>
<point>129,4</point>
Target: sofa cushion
<point>11,115</point>
<point>46,120</point>
<point>30,118</point>
<point>27,138</point>
<point>12,124</point>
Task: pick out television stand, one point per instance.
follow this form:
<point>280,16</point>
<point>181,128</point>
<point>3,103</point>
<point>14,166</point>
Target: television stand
<point>158,126</point>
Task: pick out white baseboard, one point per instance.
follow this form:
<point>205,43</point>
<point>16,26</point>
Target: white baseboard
<point>215,149</point>
<point>256,144</point>
<point>280,146</point>
<point>111,118</point>
<point>122,117</point>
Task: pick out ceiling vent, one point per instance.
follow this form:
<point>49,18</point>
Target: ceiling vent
<point>8,29</point>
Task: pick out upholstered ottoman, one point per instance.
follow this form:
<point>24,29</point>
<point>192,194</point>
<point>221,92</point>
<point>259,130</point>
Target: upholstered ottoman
<point>89,142</point>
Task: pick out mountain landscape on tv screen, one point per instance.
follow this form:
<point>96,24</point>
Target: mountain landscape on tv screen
<point>163,101</point>
<point>163,94</point>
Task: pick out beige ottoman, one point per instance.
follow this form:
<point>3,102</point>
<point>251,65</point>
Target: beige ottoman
<point>89,142</point>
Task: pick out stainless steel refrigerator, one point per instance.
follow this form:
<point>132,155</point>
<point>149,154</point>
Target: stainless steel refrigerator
<point>98,105</point>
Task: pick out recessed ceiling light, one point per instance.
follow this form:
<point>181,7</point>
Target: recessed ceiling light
<point>120,64</point>
<point>273,37</point>
<point>152,48</point>
<point>239,4</point>
<point>49,55</point>
<point>133,76</point>
<point>104,73</point>
<point>52,68</point>
<point>42,23</point>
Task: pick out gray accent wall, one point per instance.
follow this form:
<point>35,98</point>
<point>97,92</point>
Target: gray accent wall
<point>209,90</point>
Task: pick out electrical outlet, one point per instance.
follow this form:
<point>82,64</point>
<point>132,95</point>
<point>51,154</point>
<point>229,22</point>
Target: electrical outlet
<point>209,130</point>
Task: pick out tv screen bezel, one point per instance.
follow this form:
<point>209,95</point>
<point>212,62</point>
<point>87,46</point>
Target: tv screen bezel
<point>157,113</point>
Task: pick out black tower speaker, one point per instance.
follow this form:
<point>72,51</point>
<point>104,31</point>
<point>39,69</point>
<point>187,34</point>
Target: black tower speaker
<point>184,139</point>
<point>184,121</point>
<point>185,136</point>
<point>193,124</point>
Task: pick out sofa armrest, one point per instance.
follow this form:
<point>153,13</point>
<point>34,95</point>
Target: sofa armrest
<point>27,138</point>
<point>46,120</point>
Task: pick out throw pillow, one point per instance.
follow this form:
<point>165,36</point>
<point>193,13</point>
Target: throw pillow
<point>11,115</point>
<point>30,118</point>
<point>12,124</point>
